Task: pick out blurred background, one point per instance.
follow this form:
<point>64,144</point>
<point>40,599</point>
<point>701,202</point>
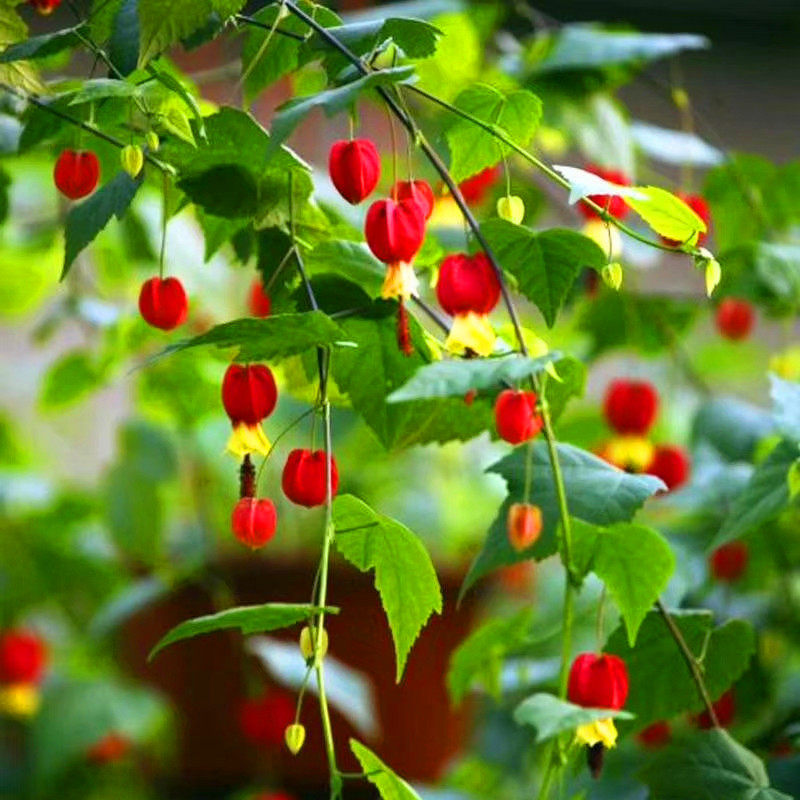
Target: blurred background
<point>115,492</point>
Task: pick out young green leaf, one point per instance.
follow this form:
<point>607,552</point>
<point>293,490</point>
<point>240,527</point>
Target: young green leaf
<point>661,685</point>
<point>552,716</point>
<point>247,619</point>
<point>47,44</point>
<point>389,785</point>
<point>516,115</point>
<point>69,379</point>
<point>404,575</point>
<point>667,214</point>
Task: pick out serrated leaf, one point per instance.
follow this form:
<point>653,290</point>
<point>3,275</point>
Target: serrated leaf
<point>545,264</point>
<point>269,339</point>
<point>479,658</point>
<point>786,406</point>
<point>404,575</point>
<point>47,44</point>
<point>177,122</point>
<point>764,496</point>
<point>377,367</point>
<point>635,563</point>
<point>666,214</point>
<point>596,493</point>
<point>456,377</point>
<point>516,115</point>
<point>389,785</point>
<point>247,619</point>
<point>331,101</point>
<point>661,685</point>
<point>709,766</point>
<point>87,219</point>
<point>552,716</point>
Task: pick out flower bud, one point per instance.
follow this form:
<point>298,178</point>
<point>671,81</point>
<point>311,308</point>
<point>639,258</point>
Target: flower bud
<point>515,416</point>
<point>735,318</point>
<point>132,159</point>
<point>253,521</point>
<point>308,644</point>
<point>249,393</point>
<point>612,275</point>
<point>511,208</point>
<point>163,303</point>
<point>354,167</point>
<point>598,681</point>
<point>304,479</point>
<point>295,736</point>
<point>418,191</point>
<point>153,142</point>
<point>23,657</point>
<point>630,406</point>
<point>394,231</point>
<point>671,464</point>
<point>729,562</point>
<point>76,173</point>
<point>258,300</point>
<point>524,525</point>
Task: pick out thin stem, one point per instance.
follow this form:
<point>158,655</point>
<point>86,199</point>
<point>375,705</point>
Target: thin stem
<point>280,31</point>
<point>261,50</point>
<point>690,660</point>
<point>164,218</point>
<point>84,126</point>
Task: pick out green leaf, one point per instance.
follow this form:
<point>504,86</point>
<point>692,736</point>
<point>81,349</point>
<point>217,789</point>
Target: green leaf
<point>43,46</point>
<point>124,34</point>
<point>389,785</point>
<point>19,74</point>
<point>247,619</point>
<point>456,377</point>
<point>164,24</point>
<point>661,685</point>
<point>571,383</point>
<point>545,264</point>
<point>650,325</point>
<point>552,716</point>
<point>786,406</point>
<point>708,766</point>
<point>268,339</point>
<point>332,101</point>
<point>480,657</point>
<point>373,370</point>
<point>404,575</point>
<point>765,495</point>
<point>515,115</point>
<point>777,267</point>
<point>87,219</point>
<point>596,493</point>
<point>102,89</point>
<point>176,121</point>
<point>732,427</point>
<point>584,46</point>
<point>69,379</point>
<point>415,37</point>
<point>352,260</point>
<point>635,563</point>
<point>667,214</point>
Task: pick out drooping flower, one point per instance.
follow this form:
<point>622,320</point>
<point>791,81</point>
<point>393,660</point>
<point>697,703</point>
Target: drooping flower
<point>419,191</point>
<point>671,464</point>
<point>631,406</point>
<point>76,173</point>
<point>249,395</point>
<point>163,303</point>
<point>355,168</point>
<point>515,416</point>
<point>524,525</point>
<point>258,300</point>
<point>394,231</point>
<point>728,563</point>
<point>253,521</point>
<point>304,479</point>
<point>23,657</point>
<point>735,318</point>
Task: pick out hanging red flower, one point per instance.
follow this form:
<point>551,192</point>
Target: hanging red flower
<point>355,168</point>
<point>253,521</point>
<point>515,416</point>
<point>394,231</point>
<point>76,173</point>
<point>631,407</point>
<point>419,191</point>
<point>304,477</point>
<point>163,303</point>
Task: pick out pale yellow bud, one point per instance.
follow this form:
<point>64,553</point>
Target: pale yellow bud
<point>152,140</point>
<point>295,736</point>
<point>511,208</point>
<point>612,275</point>
<point>308,644</point>
<point>713,275</point>
<point>132,159</point>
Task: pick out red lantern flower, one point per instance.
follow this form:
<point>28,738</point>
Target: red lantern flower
<point>700,207</point>
<point>524,524</point>
<point>304,479</point>
<point>45,7</point>
<point>23,657</point>
<point>263,720</point>
<point>111,748</point>
<point>729,562</point>
<point>671,464</point>
<point>656,735</point>
<point>475,188</point>
<point>394,231</point>
<point>254,521</point>
<point>76,173</point>
<point>468,290</point>
<point>355,168</point>
<point>724,708</point>
<point>615,205</point>
<point>249,393</point>
<point>163,303</point>
<point>598,681</point>
<point>418,191</point>
<point>631,406</point>
<point>258,300</point>
<point>735,318</point>
<point>515,416</point>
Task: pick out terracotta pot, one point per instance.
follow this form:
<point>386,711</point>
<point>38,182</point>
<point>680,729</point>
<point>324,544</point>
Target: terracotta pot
<point>205,680</point>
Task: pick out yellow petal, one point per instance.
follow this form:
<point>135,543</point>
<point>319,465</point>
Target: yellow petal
<point>19,700</point>
<point>247,439</point>
<point>471,331</point>
<point>446,214</point>
<point>601,731</point>
<point>401,281</point>
<point>633,453</point>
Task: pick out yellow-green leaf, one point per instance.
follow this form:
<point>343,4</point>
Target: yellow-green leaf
<point>666,214</point>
